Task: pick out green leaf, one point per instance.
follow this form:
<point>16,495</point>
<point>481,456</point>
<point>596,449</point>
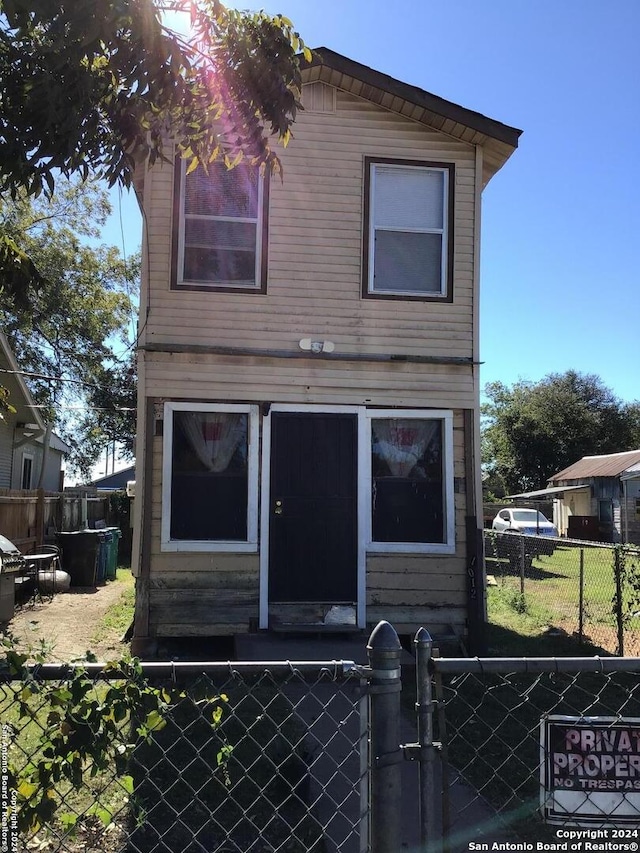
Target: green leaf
<point>193,165</point>
<point>102,813</point>
<point>155,722</point>
<point>127,783</point>
<point>68,820</point>
<point>27,789</point>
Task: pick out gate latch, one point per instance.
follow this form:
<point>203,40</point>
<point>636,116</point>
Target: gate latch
<point>420,752</point>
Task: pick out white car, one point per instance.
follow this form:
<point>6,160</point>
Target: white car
<point>530,522</point>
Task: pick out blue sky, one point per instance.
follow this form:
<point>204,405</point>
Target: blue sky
<point>561,221</point>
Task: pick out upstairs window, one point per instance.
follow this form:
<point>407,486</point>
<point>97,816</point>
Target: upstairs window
<point>408,243</point>
<point>221,228</point>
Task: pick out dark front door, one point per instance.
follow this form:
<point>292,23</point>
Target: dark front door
<point>313,508</point>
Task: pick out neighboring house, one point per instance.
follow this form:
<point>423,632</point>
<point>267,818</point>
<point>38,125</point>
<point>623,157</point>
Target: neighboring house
<point>603,501</point>
<point>31,455</point>
<point>309,371</point>
<point>117,480</point>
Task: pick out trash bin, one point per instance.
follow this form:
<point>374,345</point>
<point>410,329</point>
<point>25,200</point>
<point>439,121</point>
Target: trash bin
<point>80,550</point>
<point>112,551</point>
<point>104,539</point>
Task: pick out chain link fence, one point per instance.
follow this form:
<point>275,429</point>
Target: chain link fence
<point>225,757</point>
<point>538,744</point>
<point>295,757</point>
<point>584,589</point>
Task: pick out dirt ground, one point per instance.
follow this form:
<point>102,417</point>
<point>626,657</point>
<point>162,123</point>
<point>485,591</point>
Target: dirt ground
<point>69,622</point>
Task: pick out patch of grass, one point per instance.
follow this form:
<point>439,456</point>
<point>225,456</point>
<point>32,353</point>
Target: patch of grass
<point>510,609</point>
<point>492,720</point>
<point>552,597</point>
<point>527,627</point>
<point>118,617</point>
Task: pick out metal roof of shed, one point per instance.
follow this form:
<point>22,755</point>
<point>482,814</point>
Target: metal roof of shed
<point>608,465</point>
<point>554,490</point>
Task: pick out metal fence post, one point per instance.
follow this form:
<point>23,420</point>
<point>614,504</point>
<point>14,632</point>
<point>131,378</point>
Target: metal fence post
<point>581,600</point>
<point>383,650</point>
<point>619,608</point>
<point>424,710</point>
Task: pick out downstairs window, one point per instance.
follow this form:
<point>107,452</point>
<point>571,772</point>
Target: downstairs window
<point>210,478</point>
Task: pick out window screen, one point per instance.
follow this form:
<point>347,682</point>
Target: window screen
<point>408,230</point>
<point>221,226</point>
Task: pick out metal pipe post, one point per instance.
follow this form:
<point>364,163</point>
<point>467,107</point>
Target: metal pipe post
<point>581,600</point>
<point>617,568</point>
<point>385,685</point>
<point>424,711</point>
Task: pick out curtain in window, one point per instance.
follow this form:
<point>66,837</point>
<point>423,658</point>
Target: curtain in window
<point>214,436</point>
<point>402,443</point>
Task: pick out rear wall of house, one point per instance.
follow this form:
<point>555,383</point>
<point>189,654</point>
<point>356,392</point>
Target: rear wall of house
<point>314,290</point>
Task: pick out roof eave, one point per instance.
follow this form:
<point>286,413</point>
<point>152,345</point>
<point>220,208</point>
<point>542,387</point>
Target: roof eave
<point>26,407</point>
<point>497,139</point>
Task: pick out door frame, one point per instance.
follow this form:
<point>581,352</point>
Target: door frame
<point>265,501</point>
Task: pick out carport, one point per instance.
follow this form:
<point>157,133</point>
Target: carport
<point>577,504</point>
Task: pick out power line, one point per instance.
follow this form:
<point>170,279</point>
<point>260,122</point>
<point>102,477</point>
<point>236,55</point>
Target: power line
<point>58,407</point>
<point>51,378</point>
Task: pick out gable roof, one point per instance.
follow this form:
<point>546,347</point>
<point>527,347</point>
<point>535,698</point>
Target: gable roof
<point>117,480</point>
<point>608,465</point>
<point>22,401</point>
<point>498,140</point>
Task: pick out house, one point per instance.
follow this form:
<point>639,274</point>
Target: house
<point>117,480</point>
<point>308,418</point>
<point>599,498</point>
<point>31,455</point>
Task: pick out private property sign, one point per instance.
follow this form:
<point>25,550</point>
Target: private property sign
<point>590,770</point>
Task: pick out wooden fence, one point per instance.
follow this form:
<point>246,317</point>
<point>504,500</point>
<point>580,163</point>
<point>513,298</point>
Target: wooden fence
<point>32,518</point>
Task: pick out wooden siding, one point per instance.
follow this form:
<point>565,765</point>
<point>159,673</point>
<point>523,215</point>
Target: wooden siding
<point>305,380</point>
<point>315,245</point>
<point>204,594</point>
<point>631,512</point>
<point>314,291</point>
<point>6,452</point>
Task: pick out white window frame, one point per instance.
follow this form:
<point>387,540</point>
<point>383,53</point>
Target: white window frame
<point>449,545</point>
<point>373,166</point>
<point>200,284</point>
<point>250,545</point>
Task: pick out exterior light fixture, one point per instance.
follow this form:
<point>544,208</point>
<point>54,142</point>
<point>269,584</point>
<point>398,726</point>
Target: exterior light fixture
<point>309,345</point>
